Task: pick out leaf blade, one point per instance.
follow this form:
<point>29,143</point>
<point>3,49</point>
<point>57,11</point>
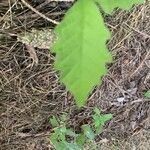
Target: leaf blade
<point>147,94</point>
<point>81,52</point>
<point>109,5</point>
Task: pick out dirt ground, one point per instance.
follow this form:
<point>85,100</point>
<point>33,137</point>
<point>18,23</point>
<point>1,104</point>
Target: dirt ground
<point>30,92</point>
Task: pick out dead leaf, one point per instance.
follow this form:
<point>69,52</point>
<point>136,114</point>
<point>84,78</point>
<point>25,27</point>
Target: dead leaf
<point>32,53</point>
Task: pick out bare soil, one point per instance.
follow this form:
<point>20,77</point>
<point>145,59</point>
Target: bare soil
<point>31,93</point>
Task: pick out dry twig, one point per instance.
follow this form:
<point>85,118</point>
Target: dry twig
<point>141,64</point>
<point>37,12</point>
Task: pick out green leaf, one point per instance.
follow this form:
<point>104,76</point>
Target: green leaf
<point>54,121</point>
<point>81,52</point>
<point>100,120</point>
<point>60,133</point>
<point>70,132</point>
<point>105,118</point>
<point>97,111</point>
<point>57,142</point>
<point>62,129</point>
<point>88,132</point>
<point>109,5</point>
<point>147,94</point>
<point>72,146</point>
<point>80,140</point>
<point>63,118</point>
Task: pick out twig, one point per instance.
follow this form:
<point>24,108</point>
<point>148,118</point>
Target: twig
<point>37,12</point>
<point>27,135</point>
<point>9,10</point>
<point>141,64</point>
<point>139,32</point>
